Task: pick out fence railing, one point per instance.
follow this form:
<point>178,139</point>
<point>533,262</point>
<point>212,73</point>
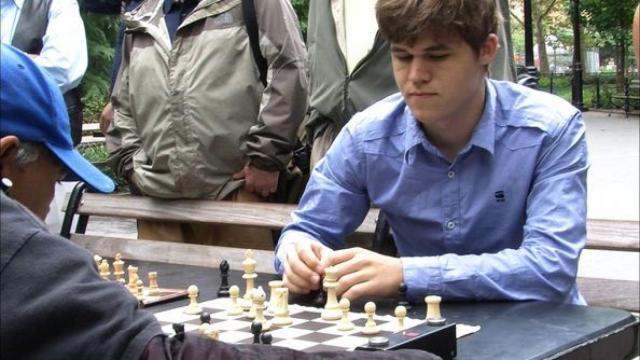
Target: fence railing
<point>598,89</point>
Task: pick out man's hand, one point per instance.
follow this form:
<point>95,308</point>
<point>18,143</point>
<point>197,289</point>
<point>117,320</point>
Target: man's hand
<point>258,181</point>
<point>106,117</point>
<point>363,273</point>
<point>304,266</point>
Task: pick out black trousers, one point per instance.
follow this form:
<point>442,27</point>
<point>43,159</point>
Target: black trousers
<point>73,100</point>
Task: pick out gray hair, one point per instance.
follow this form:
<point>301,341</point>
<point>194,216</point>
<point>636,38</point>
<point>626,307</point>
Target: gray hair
<point>28,153</point>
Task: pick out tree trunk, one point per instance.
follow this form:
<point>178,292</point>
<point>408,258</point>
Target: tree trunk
<point>542,48</point>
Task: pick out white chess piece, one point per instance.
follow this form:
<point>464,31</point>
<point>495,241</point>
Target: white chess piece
<point>273,303</point>
<point>153,284</point>
<point>258,302</point>
<point>235,308</point>
<point>345,323</point>
<point>370,327</point>
<point>249,265</point>
<point>400,312</point>
<point>433,310</point>
<point>193,308</point>
<point>331,309</point>
<point>281,317</point>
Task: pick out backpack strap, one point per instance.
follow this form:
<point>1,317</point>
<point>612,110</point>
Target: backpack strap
<point>250,21</point>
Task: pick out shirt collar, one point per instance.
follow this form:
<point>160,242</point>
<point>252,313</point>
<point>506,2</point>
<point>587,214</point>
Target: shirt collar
<point>483,134</point>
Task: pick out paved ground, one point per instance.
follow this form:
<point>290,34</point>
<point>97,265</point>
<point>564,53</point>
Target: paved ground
<point>613,183</point>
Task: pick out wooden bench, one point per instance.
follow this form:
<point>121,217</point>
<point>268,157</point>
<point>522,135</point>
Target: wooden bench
<point>610,235</point>
<point>631,93</point>
<point>91,135</point>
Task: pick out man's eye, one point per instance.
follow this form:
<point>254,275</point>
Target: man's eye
<point>438,57</point>
<point>402,57</point>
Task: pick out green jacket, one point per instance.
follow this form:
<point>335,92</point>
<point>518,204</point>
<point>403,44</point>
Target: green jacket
<point>191,113</point>
<point>334,93</point>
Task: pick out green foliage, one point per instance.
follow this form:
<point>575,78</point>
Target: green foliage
<point>101,32</point>
<point>611,19</point>
<point>302,9</point>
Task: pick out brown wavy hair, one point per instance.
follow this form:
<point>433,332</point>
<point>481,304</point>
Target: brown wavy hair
<point>404,21</point>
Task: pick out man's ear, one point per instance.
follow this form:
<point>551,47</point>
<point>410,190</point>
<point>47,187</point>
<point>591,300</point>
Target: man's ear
<point>489,49</point>
<point>8,146</point>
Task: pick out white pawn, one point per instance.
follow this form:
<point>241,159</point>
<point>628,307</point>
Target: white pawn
<point>235,308</point>
<point>139,290</point>
<point>104,269</point>
<point>345,324</point>
<point>193,308</point>
<point>370,327</point>
<point>400,313</point>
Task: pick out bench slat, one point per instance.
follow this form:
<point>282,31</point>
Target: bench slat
<point>172,253</point>
<point>613,235</point>
<point>273,216</point>
<point>601,234</point>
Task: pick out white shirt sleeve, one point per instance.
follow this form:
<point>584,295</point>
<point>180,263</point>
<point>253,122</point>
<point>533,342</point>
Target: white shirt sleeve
<point>64,54</point>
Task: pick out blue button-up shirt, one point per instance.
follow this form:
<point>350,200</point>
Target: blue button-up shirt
<point>506,219</point>
<point>64,54</point>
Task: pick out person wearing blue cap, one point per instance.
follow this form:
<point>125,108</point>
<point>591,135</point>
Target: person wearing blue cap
<point>54,303</point>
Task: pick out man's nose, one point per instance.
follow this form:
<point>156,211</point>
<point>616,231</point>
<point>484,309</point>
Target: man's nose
<point>420,70</point>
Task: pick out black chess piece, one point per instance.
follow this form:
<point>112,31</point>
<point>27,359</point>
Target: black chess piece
<point>205,317</point>
<point>319,299</point>
<point>223,291</point>
<point>403,301</point>
<point>256,329</point>
<point>266,338</point>
<point>178,328</point>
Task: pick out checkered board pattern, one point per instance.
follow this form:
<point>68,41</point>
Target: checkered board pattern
<point>308,332</point>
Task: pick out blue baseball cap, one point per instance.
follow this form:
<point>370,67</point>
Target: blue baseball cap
<point>32,109</point>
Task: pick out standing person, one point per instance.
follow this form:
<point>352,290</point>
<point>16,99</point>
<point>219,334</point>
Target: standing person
<point>193,118</point>
<point>483,182</point>
<point>54,303</point>
<point>52,33</point>
<point>350,66</point>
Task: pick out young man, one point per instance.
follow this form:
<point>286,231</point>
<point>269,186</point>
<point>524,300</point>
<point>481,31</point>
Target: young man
<point>483,182</point>
<point>350,67</point>
<point>54,303</point>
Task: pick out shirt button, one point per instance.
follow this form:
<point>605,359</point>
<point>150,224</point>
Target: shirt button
<point>451,225</point>
<point>451,174</point>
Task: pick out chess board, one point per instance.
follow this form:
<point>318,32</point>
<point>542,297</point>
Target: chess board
<point>308,332</point>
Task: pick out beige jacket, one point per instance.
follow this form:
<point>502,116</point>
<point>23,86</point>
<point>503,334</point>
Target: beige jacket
<point>189,114</point>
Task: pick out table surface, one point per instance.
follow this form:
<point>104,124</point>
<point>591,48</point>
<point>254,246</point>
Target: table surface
<point>509,330</point>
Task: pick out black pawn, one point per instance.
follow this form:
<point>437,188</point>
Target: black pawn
<point>266,338</point>
<point>178,328</point>
<point>205,317</point>
<point>223,291</point>
<point>256,329</point>
<point>403,301</point>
